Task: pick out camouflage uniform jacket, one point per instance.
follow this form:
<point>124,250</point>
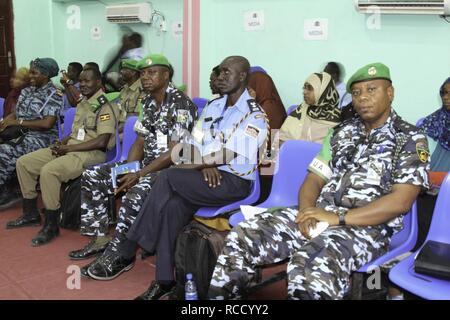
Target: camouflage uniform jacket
<point>170,122</point>
<point>358,166</point>
<point>38,103</point>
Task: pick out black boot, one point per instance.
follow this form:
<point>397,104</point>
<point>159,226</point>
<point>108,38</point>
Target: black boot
<point>30,217</point>
<point>50,229</point>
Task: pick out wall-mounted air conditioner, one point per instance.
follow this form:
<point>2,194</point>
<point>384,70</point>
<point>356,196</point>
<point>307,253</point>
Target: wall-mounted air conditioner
<point>129,13</point>
<point>437,7</point>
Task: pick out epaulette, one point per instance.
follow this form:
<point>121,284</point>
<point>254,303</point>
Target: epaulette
<point>253,106</point>
<point>215,99</point>
<point>342,124</point>
<point>102,100</point>
<point>403,126</point>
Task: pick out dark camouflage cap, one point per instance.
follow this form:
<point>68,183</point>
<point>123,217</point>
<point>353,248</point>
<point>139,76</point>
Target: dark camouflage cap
<point>46,66</point>
<point>372,71</point>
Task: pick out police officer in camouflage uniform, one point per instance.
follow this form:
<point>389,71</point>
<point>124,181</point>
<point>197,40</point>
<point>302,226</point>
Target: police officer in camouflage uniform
<point>367,175</point>
<point>93,132</point>
<point>167,113</point>
<point>37,109</point>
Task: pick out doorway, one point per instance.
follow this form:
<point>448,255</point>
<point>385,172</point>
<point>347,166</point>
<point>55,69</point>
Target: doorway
<point>7,56</point>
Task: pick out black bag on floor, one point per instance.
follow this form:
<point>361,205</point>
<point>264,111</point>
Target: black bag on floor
<point>70,211</point>
<point>196,252</point>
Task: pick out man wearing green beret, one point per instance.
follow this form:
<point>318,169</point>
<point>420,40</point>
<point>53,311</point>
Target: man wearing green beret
<point>129,99</point>
<point>93,132</point>
<point>366,177</point>
<point>164,117</point>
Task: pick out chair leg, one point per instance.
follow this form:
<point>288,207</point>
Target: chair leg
<point>356,288</point>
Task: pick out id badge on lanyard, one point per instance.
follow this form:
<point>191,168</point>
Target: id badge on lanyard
<point>81,134</point>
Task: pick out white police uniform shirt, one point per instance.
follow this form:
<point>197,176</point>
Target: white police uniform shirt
<point>245,141</point>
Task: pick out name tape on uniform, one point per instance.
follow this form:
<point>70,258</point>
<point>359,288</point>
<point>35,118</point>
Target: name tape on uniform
<point>321,167</point>
<point>252,131</point>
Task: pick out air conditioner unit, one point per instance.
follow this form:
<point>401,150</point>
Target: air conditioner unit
<point>129,13</point>
<point>437,7</point>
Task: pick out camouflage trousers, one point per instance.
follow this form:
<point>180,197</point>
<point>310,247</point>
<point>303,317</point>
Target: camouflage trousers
<point>317,269</point>
<point>96,188</point>
<point>10,153</point>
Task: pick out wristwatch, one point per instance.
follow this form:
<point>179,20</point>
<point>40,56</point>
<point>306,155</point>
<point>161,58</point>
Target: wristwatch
<point>341,214</point>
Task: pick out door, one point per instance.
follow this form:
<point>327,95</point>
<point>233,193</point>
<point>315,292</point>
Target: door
<point>7,60</point>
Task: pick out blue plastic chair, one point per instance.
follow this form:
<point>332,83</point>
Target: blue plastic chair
<point>290,172</point>
<point>403,273</point>
<point>69,116</point>
<point>200,103</point>
<point>2,102</point>
<point>291,108</point>
<point>257,69</point>
<point>129,136</point>
<point>209,212</point>
<point>402,242</point>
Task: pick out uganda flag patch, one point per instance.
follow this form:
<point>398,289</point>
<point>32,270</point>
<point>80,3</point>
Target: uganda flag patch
<point>105,117</point>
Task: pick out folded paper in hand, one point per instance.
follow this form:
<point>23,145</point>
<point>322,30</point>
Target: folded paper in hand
<point>123,169</point>
<point>250,212</point>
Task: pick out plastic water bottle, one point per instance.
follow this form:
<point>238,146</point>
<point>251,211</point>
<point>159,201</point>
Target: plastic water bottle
<point>190,289</point>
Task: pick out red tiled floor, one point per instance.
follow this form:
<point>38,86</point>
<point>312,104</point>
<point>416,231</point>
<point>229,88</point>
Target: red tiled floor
<point>41,273</point>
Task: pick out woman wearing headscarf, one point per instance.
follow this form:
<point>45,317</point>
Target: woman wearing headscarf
<point>33,124</point>
<point>318,112</point>
<point>437,127</point>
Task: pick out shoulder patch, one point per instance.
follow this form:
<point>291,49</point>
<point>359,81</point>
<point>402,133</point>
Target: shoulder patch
<point>253,106</point>
<point>105,117</point>
<point>404,126</point>
<point>422,151</point>
<point>251,131</point>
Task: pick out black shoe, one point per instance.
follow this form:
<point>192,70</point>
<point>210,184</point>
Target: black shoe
<point>92,249</point>
<point>24,222</point>
<point>30,216</point>
<point>109,266</point>
<point>84,270</point>
<point>156,291</point>
<point>50,229</point>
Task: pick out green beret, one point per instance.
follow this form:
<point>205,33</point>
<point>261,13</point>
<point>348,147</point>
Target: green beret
<point>130,64</point>
<point>46,66</point>
<point>372,71</point>
<point>153,60</point>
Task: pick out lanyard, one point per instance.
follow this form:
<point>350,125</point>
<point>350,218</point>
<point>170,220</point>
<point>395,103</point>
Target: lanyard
<point>215,125</point>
